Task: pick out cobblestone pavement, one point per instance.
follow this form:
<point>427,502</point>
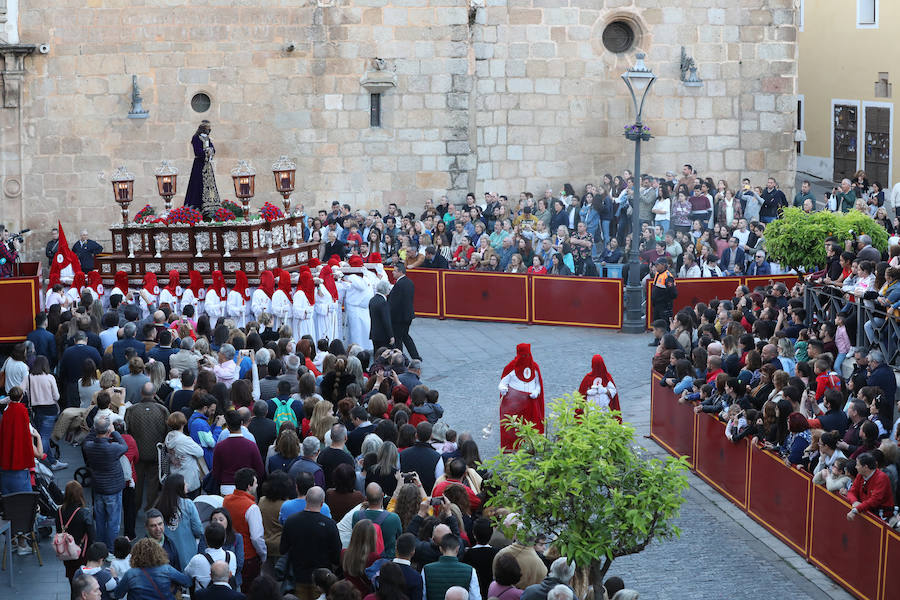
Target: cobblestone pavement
<point>721,553</point>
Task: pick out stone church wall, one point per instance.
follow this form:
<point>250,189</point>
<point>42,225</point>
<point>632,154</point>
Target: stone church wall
<point>499,95</point>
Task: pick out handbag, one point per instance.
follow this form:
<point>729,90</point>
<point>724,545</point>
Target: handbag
<point>202,467</point>
<point>63,543</point>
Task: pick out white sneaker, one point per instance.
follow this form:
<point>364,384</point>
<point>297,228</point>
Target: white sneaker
<point>59,465</point>
<point>24,550</point>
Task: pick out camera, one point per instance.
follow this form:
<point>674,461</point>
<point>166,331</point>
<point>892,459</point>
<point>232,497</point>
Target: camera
<point>19,237</point>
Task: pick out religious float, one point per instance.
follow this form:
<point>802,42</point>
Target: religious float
<point>227,237</point>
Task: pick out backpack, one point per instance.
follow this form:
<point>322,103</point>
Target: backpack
<point>63,543</point>
<point>284,412</point>
<point>231,581</point>
<point>376,522</point>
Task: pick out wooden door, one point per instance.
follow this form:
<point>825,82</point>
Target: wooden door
<point>846,128</point>
<point>877,146</point>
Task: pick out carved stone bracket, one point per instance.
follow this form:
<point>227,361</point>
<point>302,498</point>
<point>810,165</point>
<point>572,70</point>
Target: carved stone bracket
<point>378,79</point>
<point>12,61</point>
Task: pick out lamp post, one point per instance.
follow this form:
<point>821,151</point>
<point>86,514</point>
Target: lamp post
<point>166,179</point>
<point>638,79</point>
<point>244,178</point>
<point>123,190</point>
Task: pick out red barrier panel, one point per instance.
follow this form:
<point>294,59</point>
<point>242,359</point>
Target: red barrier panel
<point>849,551</point>
<point>579,301</point>
<point>778,498</point>
<point>764,280</point>
<point>692,291</point>
<point>427,301</point>
<point>720,462</point>
<point>890,583</point>
<point>485,296</point>
<point>21,303</point>
<point>672,425</point>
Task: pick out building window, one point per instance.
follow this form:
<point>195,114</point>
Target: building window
<point>619,37</point>
<point>799,125</point>
<point>867,13</point>
<point>801,12</point>
<point>375,110</point>
<point>200,102</point>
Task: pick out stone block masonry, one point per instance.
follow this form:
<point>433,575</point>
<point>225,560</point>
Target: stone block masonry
<point>503,95</point>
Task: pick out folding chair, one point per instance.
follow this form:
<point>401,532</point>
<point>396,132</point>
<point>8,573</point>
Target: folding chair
<point>21,510</point>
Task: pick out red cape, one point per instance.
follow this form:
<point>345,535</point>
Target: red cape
<point>16,451</point>
<point>240,284</point>
<point>598,369</point>
<point>532,409</point>
<point>63,258</point>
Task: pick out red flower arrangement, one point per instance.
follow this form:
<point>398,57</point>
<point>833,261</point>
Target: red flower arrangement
<point>223,214</point>
<point>145,215</point>
<point>270,212</point>
<point>234,207</point>
<point>184,214</point>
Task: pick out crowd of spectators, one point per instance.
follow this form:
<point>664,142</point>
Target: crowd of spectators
<point>794,384</point>
<point>705,228</point>
<point>225,461</point>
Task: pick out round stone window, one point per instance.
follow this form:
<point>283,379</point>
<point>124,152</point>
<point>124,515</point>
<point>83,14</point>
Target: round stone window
<point>200,102</point>
<point>618,37</point>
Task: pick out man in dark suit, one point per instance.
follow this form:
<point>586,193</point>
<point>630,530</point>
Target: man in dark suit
<point>433,260</point>
<point>361,428</point>
<point>481,555</point>
<point>218,588</point>
<point>402,312</point>
<point>381,331</point>
<point>85,249</point>
<point>406,547</point>
<point>118,348</point>
<point>71,366</point>
<point>44,341</point>
<point>334,246</point>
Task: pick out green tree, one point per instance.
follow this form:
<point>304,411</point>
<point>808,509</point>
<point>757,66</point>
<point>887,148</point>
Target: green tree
<point>587,485</point>
<point>797,239</point>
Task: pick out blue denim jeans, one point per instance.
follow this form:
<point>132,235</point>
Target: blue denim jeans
<point>107,517</point>
<point>604,227</point>
<point>44,424</point>
<point>12,482</point>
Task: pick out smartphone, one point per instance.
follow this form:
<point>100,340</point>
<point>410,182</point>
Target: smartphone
<point>437,500</point>
<point>409,477</point>
<point>244,352</point>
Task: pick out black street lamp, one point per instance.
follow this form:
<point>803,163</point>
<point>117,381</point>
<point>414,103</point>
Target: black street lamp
<point>638,79</point>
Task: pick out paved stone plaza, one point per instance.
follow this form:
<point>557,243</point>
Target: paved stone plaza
<point>721,553</point>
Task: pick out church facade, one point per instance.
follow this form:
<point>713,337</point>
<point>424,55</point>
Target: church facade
<point>383,100</point>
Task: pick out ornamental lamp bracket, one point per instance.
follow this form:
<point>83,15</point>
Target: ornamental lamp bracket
<point>378,79</point>
<point>689,70</point>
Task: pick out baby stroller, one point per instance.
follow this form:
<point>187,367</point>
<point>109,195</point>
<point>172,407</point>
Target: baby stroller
<point>50,497</point>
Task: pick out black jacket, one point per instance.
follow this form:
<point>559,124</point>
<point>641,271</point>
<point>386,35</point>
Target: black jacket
<point>421,458</point>
<point>380,316</point>
<point>218,592</point>
<point>401,301</point>
<point>438,262</point>
<point>355,438</point>
<point>85,252</point>
<point>540,590</point>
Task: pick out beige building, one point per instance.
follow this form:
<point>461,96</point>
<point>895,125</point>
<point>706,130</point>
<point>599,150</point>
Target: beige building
<point>845,106</point>
<point>469,95</point>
